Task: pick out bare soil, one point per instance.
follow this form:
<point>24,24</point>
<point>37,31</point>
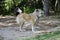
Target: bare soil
<point>9,30</point>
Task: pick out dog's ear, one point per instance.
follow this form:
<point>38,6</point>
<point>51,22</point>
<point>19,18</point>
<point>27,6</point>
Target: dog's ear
<point>36,10</point>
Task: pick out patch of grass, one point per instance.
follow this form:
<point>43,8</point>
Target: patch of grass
<point>49,36</point>
<point>1,38</point>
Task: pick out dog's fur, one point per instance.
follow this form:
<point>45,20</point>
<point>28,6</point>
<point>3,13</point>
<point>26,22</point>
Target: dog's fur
<point>30,18</point>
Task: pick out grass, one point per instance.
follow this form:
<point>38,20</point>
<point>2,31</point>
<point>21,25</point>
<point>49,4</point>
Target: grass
<point>1,38</point>
<point>49,36</point>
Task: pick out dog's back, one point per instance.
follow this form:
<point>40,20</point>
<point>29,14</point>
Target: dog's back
<point>26,17</point>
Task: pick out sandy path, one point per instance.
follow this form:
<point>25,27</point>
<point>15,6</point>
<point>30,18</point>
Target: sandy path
<point>10,33</point>
<point>9,29</point>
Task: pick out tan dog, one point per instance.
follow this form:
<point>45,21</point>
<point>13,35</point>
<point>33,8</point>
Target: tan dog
<point>30,18</point>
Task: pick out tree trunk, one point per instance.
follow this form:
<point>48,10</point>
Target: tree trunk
<point>59,5</point>
<point>56,6</point>
<point>46,7</point>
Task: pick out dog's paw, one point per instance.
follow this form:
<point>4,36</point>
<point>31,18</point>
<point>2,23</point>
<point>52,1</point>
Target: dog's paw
<point>23,30</point>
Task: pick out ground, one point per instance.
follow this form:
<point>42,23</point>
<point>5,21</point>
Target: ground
<point>9,28</point>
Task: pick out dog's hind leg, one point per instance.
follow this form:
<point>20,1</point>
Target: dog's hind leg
<point>20,26</point>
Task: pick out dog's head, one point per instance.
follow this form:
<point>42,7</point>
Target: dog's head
<point>17,11</point>
<point>38,12</point>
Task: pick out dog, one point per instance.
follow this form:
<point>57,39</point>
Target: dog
<point>22,18</point>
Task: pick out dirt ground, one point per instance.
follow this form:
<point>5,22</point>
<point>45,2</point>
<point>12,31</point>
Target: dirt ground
<point>9,30</point>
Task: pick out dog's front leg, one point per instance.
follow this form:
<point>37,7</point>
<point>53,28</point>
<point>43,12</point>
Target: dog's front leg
<point>33,29</point>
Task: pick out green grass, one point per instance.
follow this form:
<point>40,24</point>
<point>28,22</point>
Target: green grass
<point>1,38</point>
<point>49,36</point>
